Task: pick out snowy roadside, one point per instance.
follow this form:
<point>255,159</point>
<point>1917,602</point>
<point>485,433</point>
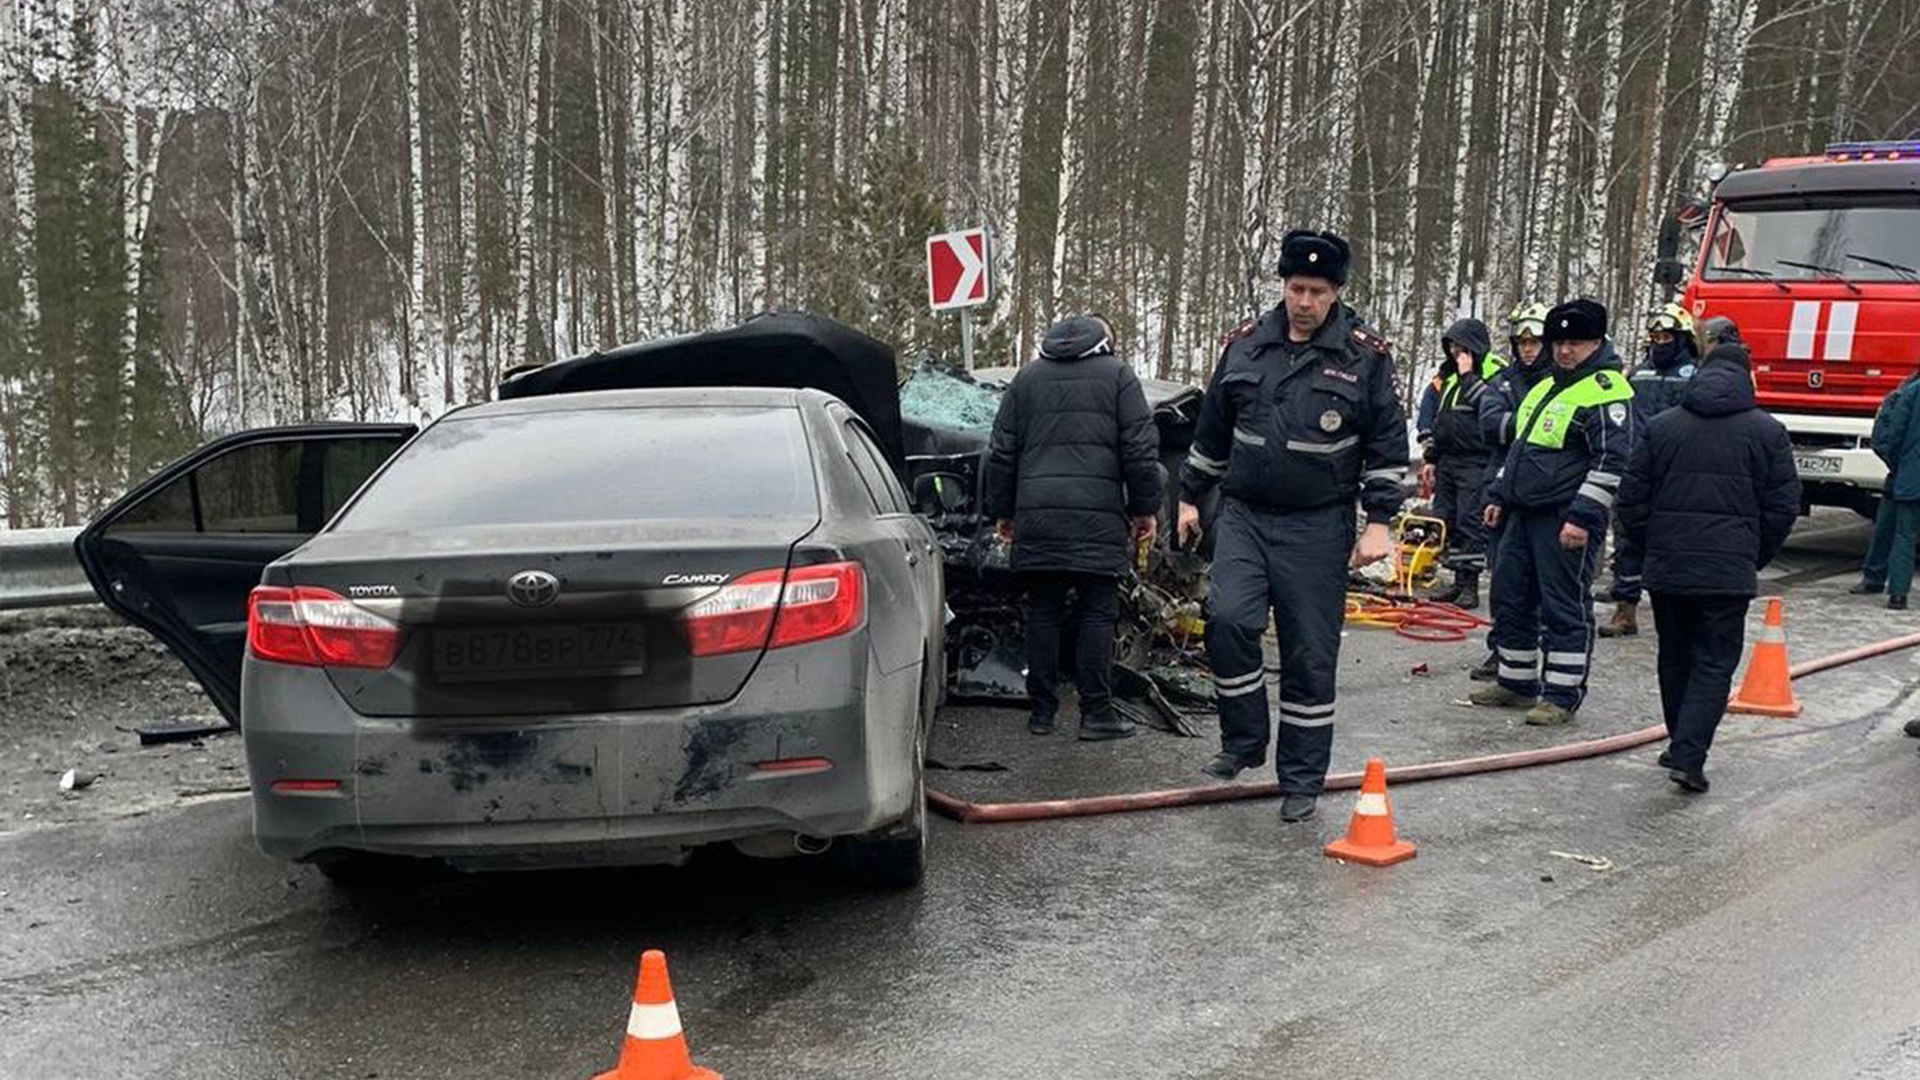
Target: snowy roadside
<point>74,684</point>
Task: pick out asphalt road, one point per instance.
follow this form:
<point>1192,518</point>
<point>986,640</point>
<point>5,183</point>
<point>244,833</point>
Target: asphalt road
<point>1764,930</point>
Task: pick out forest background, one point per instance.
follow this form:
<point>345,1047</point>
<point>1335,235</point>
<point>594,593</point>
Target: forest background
<point>219,214</point>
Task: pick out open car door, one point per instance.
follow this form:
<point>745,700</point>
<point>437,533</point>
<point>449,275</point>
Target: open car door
<point>178,554</point>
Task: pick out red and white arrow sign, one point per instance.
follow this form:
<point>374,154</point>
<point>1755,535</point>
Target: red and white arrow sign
<point>957,269</point>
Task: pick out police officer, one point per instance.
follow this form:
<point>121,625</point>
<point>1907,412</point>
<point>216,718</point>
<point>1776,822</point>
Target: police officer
<point>1658,381</point>
<point>1526,342</point>
<point>1458,453</point>
<point>1300,420</point>
<point>1572,436</point>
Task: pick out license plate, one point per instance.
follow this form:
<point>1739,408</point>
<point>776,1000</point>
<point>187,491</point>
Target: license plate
<point>539,652</point>
<point>1823,466</point>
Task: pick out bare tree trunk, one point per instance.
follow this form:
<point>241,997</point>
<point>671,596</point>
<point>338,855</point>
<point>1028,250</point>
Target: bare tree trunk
<point>1407,287</point>
<point>1729,30</point>
<point>1337,177</point>
<point>1550,256</point>
<point>464,361</point>
<point>524,342</point>
<point>1465,99</point>
<point>1011,104</point>
<point>16,96</point>
<point>418,333</point>
<point>600,26</point>
<point>1079,13</point>
<point>1590,251</point>
<point>1840,127</point>
<point>1654,202</point>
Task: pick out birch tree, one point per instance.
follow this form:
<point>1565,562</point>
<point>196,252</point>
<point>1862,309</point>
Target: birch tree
<point>1078,13</point>
<point>524,340</point>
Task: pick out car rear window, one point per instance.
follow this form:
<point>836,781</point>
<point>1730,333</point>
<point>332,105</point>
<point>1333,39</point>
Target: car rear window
<point>593,465</point>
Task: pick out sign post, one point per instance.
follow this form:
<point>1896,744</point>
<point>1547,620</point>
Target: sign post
<point>958,278</point>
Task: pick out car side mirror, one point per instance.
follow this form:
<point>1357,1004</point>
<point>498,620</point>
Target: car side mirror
<point>941,493</point>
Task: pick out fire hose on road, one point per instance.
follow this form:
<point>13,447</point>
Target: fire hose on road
<point>991,813</point>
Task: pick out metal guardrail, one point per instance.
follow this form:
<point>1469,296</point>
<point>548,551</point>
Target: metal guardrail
<point>38,569</point>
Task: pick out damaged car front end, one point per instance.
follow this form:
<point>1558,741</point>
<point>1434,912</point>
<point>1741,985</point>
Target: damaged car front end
<point>947,418</point>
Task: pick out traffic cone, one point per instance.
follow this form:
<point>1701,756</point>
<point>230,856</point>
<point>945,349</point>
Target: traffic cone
<point>1768,688</point>
<point>1370,838</point>
<point>654,1048</point>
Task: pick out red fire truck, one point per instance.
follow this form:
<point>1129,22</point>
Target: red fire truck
<point>1817,260</point>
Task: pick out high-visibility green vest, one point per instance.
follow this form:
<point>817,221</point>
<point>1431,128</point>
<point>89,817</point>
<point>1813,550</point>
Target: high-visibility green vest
<point>1490,365</point>
<point>1547,412</point>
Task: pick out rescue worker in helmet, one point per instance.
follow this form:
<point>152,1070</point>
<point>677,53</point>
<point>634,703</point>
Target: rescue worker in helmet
<point>1659,381</point>
<point>1526,343</point>
<point>1573,433</point>
<point>1458,454</point>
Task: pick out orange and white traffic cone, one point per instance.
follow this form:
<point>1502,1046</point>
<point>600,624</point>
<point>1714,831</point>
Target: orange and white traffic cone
<point>1370,838</point>
<point>1768,688</point>
<point>654,1048</point>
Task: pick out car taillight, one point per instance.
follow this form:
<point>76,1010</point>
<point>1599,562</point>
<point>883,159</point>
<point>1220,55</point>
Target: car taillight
<point>771,609</point>
<point>316,627</point>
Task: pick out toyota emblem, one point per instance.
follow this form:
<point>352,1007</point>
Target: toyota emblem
<point>533,588</point>
<point>1815,378</point>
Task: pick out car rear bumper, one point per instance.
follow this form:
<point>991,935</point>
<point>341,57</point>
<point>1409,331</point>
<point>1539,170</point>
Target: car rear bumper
<point>587,788</point>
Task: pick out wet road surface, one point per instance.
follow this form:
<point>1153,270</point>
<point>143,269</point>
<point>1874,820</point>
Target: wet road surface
<point>1764,930</point>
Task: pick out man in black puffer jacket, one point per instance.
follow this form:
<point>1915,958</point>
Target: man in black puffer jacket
<point>1710,497</point>
<point>1074,455</point>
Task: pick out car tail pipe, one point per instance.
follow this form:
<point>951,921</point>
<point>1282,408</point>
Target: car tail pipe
<point>992,813</point>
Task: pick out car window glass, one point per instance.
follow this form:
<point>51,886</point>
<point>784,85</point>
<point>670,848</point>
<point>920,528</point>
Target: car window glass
<point>347,464</point>
<point>168,510</point>
<point>265,487</point>
<point>869,472</point>
<point>889,483</point>
<point>254,489</point>
<point>566,466</point>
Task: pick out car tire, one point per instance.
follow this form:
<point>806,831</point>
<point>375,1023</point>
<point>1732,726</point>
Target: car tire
<point>895,858</point>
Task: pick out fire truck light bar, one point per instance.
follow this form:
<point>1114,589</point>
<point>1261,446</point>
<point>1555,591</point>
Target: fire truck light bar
<point>1874,151</point>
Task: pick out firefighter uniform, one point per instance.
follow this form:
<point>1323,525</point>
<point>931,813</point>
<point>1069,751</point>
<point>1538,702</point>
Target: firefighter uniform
<point>1293,432</point>
<point>1572,437</point>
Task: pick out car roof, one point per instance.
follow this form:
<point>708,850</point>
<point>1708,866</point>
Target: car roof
<point>734,397</point>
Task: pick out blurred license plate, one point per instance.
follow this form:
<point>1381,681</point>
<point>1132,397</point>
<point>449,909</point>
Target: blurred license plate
<point>1810,463</point>
<point>538,652</point>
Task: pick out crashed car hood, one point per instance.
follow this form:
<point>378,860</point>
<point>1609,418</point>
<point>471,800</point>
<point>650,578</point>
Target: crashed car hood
<point>784,349</point>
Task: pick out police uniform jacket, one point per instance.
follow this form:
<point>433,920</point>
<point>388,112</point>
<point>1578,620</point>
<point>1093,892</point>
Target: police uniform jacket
<point>1290,426</point>
<point>1573,434</point>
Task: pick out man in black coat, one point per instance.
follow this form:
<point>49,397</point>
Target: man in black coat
<point>1074,456</point>
<point>1710,497</point>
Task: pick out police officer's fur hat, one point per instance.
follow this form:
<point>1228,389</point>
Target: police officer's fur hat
<point>1314,254</point>
<point>1577,320</point>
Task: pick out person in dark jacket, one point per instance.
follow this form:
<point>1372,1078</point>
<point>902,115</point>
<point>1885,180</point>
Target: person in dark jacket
<point>1458,454</point>
<point>1526,342</point>
<point>1074,455</point>
<point>1301,421</point>
<point>1572,435</point>
<point>1873,569</point>
<point>1896,441</point>
<point>1659,382</point>
<point>1710,497</point>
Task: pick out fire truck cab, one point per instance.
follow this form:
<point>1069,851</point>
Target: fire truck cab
<point>1817,261</point>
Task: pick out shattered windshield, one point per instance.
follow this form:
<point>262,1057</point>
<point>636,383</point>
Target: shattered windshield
<point>1799,242</point>
<point>942,397</point>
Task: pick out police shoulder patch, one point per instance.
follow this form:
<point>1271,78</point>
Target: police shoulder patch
<point>1687,370</point>
<point>1238,332</point>
<point>1365,337</point>
<point>1603,380</point>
